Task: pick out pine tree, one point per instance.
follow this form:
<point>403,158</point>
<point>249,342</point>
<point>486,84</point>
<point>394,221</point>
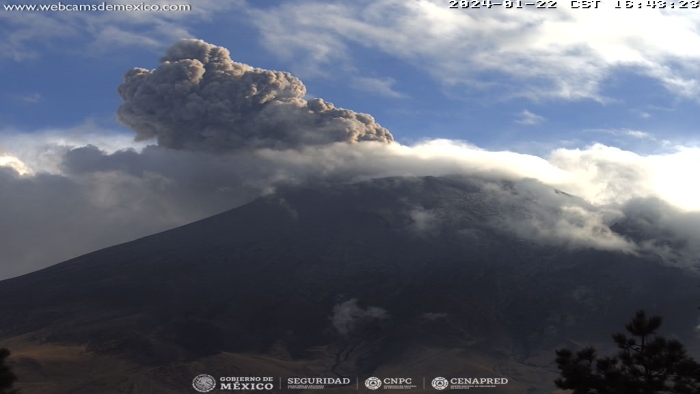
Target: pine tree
<point>7,377</point>
<point>645,364</point>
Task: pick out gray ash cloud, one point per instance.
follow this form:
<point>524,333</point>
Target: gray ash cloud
<point>199,99</point>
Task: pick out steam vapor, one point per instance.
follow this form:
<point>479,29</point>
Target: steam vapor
<point>347,315</point>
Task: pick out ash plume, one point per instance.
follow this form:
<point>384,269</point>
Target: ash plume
<point>228,133</point>
<point>199,99</point>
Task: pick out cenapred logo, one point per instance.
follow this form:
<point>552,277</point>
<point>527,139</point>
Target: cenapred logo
<point>204,383</point>
<point>440,383</point>
<point>373,383</point>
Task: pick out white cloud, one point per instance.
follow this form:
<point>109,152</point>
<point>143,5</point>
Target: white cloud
<point>7,160</point>
<point>96,199</point>
<point>638,134</point>
<point>377,86</point>
<point>528,118</point>
<point>93,33</point>
<point>31,98</point>
<point>635,134</point>
<point>644,115</point>
<point>74,198</point>
<point>42,150</point>
<point>562,53</point>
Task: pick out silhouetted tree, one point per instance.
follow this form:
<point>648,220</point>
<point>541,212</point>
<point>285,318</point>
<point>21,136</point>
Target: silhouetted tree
<point>646,364</point>
<point>7,377</point>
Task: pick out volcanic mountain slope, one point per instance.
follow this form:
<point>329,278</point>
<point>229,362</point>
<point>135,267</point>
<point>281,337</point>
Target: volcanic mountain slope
<point>389,277</point>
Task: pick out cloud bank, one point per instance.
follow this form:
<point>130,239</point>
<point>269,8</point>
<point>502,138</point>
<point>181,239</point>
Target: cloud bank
<point>564,53</point>
<point>68,192</point>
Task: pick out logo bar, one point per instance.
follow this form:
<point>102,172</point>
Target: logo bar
<point>205,383</point>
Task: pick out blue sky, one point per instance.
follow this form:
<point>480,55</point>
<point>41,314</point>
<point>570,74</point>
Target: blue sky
<point>601,103</point>
<point>69,76</point>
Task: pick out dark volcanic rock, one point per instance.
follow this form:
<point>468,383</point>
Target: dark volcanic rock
<point>268,275</point>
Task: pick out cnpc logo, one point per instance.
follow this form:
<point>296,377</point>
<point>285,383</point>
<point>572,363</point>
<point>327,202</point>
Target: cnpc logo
<point>374,383</point>
<point>440,383</point>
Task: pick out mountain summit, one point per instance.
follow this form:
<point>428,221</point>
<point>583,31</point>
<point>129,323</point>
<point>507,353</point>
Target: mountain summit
<point>388,277</point>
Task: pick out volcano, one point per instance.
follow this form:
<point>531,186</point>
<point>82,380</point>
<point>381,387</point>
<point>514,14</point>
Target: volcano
<point>393,277</point>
